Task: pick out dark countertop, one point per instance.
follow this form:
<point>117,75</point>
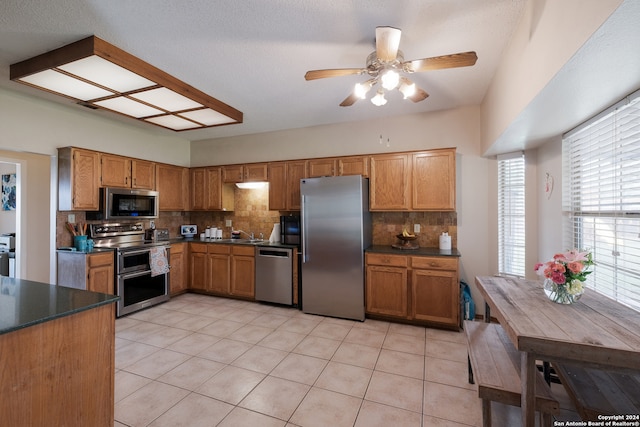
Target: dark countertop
<point>384,249</point>
<point>25,303</point>
<point>227,242</point>
<point>94,251</point>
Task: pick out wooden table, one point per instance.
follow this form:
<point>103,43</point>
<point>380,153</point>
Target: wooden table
<point>596,330</point>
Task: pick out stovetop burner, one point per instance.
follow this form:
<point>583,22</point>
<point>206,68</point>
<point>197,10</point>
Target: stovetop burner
<point>122,236</point>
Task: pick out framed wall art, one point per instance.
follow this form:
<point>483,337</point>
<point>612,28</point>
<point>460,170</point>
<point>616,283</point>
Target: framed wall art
<point>9,192</point>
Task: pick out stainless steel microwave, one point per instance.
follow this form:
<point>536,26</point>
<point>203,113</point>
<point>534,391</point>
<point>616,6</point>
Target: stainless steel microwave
<point>124,203</point>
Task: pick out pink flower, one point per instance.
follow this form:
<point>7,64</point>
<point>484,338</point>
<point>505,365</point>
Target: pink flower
<point>575,267</point>
<point>575,255</point>
<point>558,277</point>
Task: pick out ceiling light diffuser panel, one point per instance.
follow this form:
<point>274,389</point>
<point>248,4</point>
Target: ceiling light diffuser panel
<point>97,74</point>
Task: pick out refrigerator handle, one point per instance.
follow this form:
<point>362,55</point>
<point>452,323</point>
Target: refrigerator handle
<point>303,226</point>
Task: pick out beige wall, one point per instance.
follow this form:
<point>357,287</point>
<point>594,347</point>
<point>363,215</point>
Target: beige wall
<point>36,126</point>
<point>549,34</point>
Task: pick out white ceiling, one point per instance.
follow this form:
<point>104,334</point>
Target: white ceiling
<point>253,54</point>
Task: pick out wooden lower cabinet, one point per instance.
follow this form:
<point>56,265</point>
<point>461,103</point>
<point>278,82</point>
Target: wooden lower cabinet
<point>178,279</point>
<point>387,290</point>
<point>419,289</point>
<point>91,271</point>
<point>227,270</point>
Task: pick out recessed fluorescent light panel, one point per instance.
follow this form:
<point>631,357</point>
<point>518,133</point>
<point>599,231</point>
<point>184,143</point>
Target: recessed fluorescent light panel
<point>95,73</point>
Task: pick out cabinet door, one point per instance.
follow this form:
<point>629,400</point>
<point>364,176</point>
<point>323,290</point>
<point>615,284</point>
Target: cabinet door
<point>115,171</point>
<point>143,174</point>
<point>232,173</point>
<point>178,272</point>
<point>198,188</point>
<point>243,276</point>
<point>172,185</point>
<point>219,270</point>
<point>389,182</point>
<point>358,165</point>
<point>436,296</point>
<point>295,172</point>
<point>277,186</point>
<point>386,291</point>
<point>434,180</point>
<point>85,178</point>
<point>255,172</point>
<point>198,266</point>
<point>101,273</point>
<point>321,167</point>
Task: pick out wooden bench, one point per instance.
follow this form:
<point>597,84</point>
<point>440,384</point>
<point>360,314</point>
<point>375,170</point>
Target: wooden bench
<point>599,391</point>
<point>495,364</point>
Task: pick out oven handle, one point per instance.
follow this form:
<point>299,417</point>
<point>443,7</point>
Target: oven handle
<point>136,252</point>
<point>135,274</point>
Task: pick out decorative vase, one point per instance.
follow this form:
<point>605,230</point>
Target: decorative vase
<point>562,294</point>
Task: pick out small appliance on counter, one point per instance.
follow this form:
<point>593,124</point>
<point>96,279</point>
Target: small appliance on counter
<point>188,230</point>
<point>156,234</point>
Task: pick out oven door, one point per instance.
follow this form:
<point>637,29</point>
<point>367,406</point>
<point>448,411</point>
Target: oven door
<point>130,261</point>
<point>139,290</point>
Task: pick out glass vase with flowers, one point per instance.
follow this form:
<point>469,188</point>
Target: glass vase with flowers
<point>565,275</point>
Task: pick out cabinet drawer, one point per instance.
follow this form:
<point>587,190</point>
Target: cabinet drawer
<point>96,260</point>
<point>219,249</point>
<point>198,248</point>
<point>438,263</point>
<point>384,259</point>
<point>244,250</point>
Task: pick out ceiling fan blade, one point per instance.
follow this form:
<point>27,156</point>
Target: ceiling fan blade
<point>464,59</point>
<point>338,72</point>
<point>387,43</point>
<point>349,100</point>
<point>420,95</point>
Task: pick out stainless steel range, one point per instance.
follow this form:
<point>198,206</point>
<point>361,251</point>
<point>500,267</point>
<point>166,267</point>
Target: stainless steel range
<point>135,284</point>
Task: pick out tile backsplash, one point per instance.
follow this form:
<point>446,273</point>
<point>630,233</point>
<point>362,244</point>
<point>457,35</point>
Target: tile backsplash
<point>252,215</point>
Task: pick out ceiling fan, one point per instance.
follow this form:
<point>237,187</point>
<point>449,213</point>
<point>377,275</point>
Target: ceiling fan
<point>385,66</point>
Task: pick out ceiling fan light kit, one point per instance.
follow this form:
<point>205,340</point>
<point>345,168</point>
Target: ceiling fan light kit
<point>385,66</point>
<point>97,74</point>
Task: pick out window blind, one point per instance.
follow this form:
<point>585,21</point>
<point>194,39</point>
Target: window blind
<point>511,220</point>
<point>601,198</point>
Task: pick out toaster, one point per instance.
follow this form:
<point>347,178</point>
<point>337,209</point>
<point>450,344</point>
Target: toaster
<point>156,234</point>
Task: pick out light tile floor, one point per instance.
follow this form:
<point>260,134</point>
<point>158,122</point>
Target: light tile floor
<point>205,361</point>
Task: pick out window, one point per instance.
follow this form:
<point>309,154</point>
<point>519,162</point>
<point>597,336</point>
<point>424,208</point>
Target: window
<point>511,214</point>
<point>601,198</point>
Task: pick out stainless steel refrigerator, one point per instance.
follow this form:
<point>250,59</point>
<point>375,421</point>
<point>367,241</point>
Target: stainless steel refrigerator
<point>336,229</point>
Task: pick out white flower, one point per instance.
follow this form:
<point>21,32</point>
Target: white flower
<point>576,287</point>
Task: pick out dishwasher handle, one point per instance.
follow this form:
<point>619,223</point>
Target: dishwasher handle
<point>275,253</point>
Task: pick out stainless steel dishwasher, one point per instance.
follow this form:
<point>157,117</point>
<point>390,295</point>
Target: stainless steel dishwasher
<point>274,279</point>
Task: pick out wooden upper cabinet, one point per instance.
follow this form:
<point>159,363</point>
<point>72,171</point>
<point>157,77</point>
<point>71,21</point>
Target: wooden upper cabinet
<point>233,173</point>
<point>321,167</point>
<point>172,183</point>
<point>389,183</point>
<point>78,179</point>
<point>255,172</point>
<point>123,172</point>
<point>115,171</point>
<point>208,192</point>
<point>434,184</point>
<point>277,172</point>
<point>143,174</point>
<point>356,165</point>
<point>296,171</point>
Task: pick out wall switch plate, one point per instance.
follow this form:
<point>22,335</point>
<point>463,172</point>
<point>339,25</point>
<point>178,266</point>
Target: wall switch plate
<point>229,223</point>
<point>416,228</point>
<point>71,218</point>
<point>152,224</point>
